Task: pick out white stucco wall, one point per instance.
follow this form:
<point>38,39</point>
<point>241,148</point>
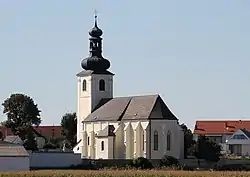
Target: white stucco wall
<point>108,152</point>
<point>87,100</point>
<point>177,139</point>
<point>132,140</point>
<point>14,164</point>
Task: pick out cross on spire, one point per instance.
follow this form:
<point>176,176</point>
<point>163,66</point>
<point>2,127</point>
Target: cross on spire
<point>95,12</point>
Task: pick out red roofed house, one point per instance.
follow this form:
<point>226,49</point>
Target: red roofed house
<point>233,136</point>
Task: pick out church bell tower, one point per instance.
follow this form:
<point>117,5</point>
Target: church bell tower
<point>95,82</point>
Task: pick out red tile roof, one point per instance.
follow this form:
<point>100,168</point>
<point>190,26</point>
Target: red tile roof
<point>220,127</point>
<point>47,131</point>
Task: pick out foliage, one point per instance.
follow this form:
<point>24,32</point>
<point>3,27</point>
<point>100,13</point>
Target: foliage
<point>124,173</point>
<point>168,161</point>
<point>188,140</point>
<point>22,113</point>
<point>49,146</point>
<point>207,149</point>
<point>69,127</point>
<point>141,163</point>
<point>57,142</point>
<point>30,142</point>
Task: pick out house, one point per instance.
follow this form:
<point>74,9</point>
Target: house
<point>239,143</point>
<point>13,157</point>
<point>120,127</point>
<point>220,131</point>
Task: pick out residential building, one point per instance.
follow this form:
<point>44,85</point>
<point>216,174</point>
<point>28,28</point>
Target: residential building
<point>224,132</point>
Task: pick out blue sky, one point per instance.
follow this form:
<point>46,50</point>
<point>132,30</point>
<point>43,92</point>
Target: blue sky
<point>194,53</point>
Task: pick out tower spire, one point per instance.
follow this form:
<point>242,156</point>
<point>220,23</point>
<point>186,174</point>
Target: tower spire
<point>95,18</point>
<point>95,61</point>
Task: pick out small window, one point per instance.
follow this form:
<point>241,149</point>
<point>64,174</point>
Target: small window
<point>102,145</point>
<point>84,85</point>
<point>155,141</point>
<point>88,140</point>
<point>102,85</point>
<point>168,141</point>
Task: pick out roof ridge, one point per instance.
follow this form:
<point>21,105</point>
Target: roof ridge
<point>130,96</point>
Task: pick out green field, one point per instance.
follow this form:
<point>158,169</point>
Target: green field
<point>123,173</point>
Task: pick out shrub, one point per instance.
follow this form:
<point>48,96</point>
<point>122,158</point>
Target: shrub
<point>168,161</point>
<point>141,163</point>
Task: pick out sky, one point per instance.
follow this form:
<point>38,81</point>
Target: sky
<point>194,53</point>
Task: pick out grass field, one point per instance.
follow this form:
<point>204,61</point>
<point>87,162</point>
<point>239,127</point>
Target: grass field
<point>123,173</point>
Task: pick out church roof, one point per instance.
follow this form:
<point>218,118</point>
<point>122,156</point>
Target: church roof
<point>107,131</point>
<point>131,108</point>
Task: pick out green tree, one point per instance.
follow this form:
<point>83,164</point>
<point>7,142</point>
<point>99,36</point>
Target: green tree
<point>30,142</point>
<point>69,127</point>
<point>188,140</point>
<point>207,149</point>
<point>22,114</point>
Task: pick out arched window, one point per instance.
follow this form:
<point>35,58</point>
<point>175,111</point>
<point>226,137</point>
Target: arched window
<point>102,145</point>
<point>84,85</point>
<point>102,85</point>
<point>168,141</point>
<point>156,141</point>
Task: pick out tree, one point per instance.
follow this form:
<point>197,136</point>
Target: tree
<point>69,127</point>
<point>207,149</point>
<point>30,142</point>
<point>188,139</point>
<point>22,113</point>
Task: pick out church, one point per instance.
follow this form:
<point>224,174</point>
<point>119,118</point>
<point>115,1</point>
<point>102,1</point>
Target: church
<point>120,127</point>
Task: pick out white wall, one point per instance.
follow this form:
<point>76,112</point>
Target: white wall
<point>14,164</point>
<point>177,139</point>
<point>246,149</point>
<point>87,100</point>
<point>54,159</point>
<point>99,153</point>
<point>129,139</point>
<point>108,152</point>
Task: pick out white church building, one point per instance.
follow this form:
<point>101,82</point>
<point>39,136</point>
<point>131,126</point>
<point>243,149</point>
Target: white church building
<point>120,127</point>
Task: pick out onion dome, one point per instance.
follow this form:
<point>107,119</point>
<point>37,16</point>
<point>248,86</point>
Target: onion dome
<point>95,31</point>
<point>95,64</point>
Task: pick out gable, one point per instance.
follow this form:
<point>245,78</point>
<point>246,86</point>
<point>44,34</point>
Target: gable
<point>160,110</point>
<point>241,134</point>
<point>131,108</point>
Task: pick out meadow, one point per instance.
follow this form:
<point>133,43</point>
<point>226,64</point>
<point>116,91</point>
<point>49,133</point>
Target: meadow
<point>124,173</point>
